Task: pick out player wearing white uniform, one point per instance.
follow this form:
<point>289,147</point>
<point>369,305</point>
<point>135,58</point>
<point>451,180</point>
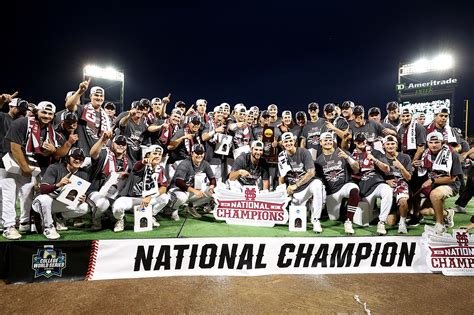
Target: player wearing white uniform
<point>145,186</point>
<point>373,165</point>
<point>335,167</point>
<point>56,177</point>
<point>300,180</point>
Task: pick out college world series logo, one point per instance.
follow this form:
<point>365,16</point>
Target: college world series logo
<point>251,207</point>
<point>450,254</point>
<point>48,262</point>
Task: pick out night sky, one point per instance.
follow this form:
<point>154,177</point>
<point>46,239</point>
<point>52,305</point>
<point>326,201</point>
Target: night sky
<point>289,53</point>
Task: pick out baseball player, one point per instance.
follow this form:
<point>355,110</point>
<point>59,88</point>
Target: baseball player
<point>335,167</point>
<point>300,178</point>
<point>373,166</point>
<point>145,186</point>
<point>56,177</point>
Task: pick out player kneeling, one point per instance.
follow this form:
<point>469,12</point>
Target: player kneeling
<point>299,178</point>
<point>335,167</point>
<point>56,177</point>
<point>145,186</point>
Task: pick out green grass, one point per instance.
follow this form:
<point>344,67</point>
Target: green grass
<point>207,226</point>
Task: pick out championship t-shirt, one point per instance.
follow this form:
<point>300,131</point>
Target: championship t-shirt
<point>187,171</point>
<point>5,123</point>
<point>334,171</point>
<point>370,174</point>
<point>244,162</point>
<point>300,163</point>
<point>420,138</point>
<point>312,131</point>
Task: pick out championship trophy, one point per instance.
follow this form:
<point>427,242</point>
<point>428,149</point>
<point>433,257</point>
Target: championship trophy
<point>270,154</point>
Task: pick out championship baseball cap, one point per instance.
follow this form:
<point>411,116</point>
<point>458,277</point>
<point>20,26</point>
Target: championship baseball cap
<point>46,106</point>
<point>287,136</point>
<point>329,107</point>
<point>255,109</point>
<point>97,90</point>
<point>347,104</point>
<point>77,153</point>
<point>389,138</point>
<point>326,135</point>
<point>120,139</point>
<point>313,106</point>
<point>109,105</point>
<point>180,104</point>
<point>152,148</point>
<point>358,111</point>
<point>359,137</point>
<point>405,110</point>
<point>441,110</point>
<point>218,109</point>
<point>69,94</point>
<point>392,106</point>
<point>225,106</point>
<point>145,102</point>
<point>135,104</point>
<point>257,144</point>
<point>240,108</point>
<point>198,148</point>
<point>155,100</point>
<point>286,113</point>
<point>434,136</point>
<point>18,102</point>
<point>201,102</point>
<point>300,116</point>
<point>272,106</point>
<point>177,111</point>
<point>194,119</point>
<point>70,118</point>
<point>265,114</point>
<point>421,115</point>
<point>374,111</point>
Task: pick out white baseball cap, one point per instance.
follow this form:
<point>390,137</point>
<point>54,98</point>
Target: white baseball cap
<point>97,90</point>
<point>46,106</point>
<point>435,135</point>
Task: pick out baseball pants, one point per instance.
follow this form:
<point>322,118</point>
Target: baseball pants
<point>123,204</point>
<point>315,190</point>
<point>45,205</point>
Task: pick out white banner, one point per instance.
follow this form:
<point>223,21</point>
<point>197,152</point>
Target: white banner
<point>135,258</point>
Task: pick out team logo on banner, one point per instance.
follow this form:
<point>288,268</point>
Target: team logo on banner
<point>251,207</point>
<point>48,262</point>
<point>450,254</point>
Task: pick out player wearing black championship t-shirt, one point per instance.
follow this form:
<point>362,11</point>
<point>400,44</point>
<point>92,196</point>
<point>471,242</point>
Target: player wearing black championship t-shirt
<point>249,169</point>
<point>401,169</point>
<point>373,165</point>
<point>335,167</point>
<point>297,172</point>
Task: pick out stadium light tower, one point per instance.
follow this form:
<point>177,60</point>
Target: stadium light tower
<point>438,63</point>
<point>109,74</point>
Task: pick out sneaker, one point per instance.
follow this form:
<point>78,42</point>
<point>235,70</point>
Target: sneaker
<point>415,220</point>
<point>402,227</point>
<point>24,227</point>
<point>155,222</point>
<point>10,233</point>
<point>449,218</point>
<point>60,223</point>
<point>381,228</point>
<point>192,211</point>
<point>96,224</point>
<point>50,233</point>
<point>348,227</point>
<point>175,215</point>
<point>460,209</point>
<point>119,225</point>
<point>317,226</point>
<point>1,227</point>
<point>438,229</point>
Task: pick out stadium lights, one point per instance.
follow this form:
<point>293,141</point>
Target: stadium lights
<point>108,73</point>
<point>438,63</point>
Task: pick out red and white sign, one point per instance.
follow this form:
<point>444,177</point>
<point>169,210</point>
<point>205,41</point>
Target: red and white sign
<point>450,254</point>
<point>251,207</point>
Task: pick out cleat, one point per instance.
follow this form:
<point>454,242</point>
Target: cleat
<point>449,218</point>
<point>175,215</point>
<point>50,233</point>
<point>381,228</point>
<point>119,225</point>
<point>192,211</point>
<point>317,226</point>
<point>10,233</point>
<point>348,229</point>
<point>155,222</point>
<point>460,209</point>
<point>60,223</point>
<point>402,227</point>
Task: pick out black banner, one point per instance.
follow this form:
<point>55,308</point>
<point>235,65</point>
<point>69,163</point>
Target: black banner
<point>27,262</point>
